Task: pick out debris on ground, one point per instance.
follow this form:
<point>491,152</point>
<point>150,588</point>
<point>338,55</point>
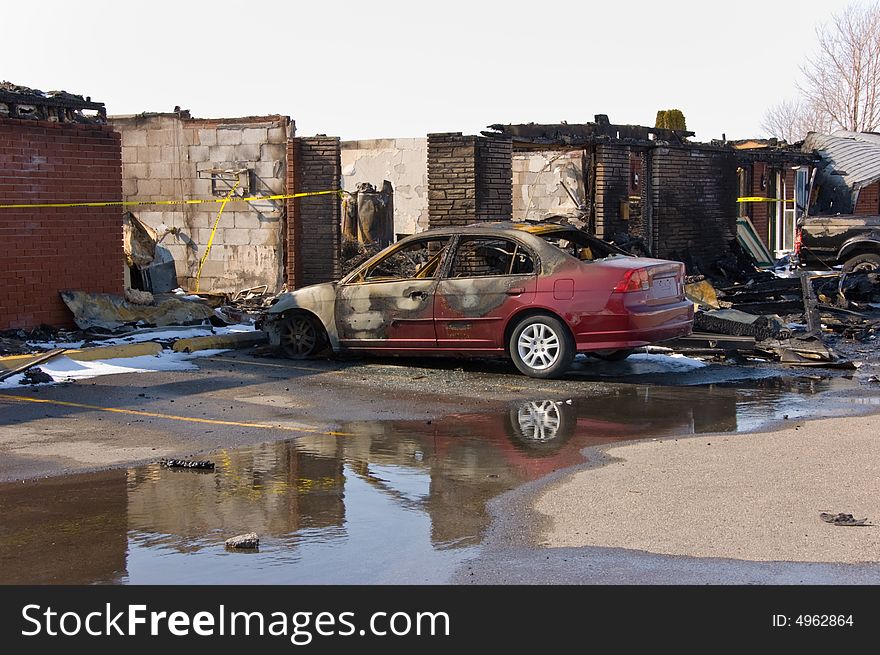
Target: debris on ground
<point>36,376</point>
<point>700,291</point>
<point>843,519</point>
<point>741,324</point>
<point>44,357</point>
<point>805,319</point>
<point>249,541</point>
<point>110,312</point>
<point>137,297</point>
<point>151,265</point>
<point>205,464</point>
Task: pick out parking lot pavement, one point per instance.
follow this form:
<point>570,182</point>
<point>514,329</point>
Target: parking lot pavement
<point>236,399</point>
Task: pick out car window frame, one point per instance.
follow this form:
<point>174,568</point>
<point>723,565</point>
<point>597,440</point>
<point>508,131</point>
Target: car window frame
<point>453,252</point>
<point>356,276</point>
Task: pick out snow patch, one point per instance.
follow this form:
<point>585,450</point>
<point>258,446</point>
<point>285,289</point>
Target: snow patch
<point>64,369</point>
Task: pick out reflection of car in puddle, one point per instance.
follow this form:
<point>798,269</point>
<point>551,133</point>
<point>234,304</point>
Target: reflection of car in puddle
<point>541,422</point>
<point>383,478</point>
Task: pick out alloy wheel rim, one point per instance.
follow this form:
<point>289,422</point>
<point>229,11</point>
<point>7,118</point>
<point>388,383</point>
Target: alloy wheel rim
<point>538,346</point>
<point>300,337</point>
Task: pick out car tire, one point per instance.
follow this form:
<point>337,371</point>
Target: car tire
<point>302,336</point>
<point>541,347</point>
<point>864,263</point>
<point>613,355</point>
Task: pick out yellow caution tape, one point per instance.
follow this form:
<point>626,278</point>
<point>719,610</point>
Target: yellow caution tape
<point>213,230</point>
<point>133,203</point>
<point>760,199</point>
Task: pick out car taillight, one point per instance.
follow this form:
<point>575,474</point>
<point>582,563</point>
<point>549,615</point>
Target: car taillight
<point>636,279</point>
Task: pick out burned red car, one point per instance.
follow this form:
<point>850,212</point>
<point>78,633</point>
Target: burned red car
<point>538,293</point>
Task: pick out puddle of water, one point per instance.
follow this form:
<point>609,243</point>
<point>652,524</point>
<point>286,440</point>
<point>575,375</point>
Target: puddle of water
<point>399,501</point>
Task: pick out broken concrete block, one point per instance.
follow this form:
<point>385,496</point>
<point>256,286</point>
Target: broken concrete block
<point>249,541</point>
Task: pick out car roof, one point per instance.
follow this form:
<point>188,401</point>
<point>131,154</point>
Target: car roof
<point>509,228</point>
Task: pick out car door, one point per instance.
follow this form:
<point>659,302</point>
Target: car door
<point>488,280</point>
<point>389,303</point>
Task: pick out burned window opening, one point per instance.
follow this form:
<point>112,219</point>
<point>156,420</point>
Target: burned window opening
<point>582,246</point>
<point>418,260</point>
<point>484,257</point>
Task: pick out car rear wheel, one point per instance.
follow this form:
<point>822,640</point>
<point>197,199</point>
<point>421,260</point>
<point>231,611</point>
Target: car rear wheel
<point>541,347</point>
<point>301,337</point>
<point>864,263</point>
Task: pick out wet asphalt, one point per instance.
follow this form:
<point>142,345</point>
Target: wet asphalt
<point>237,401</point>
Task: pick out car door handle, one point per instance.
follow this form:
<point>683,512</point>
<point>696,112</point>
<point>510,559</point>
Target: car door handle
<point>418,294</point>
<point>515,291</point>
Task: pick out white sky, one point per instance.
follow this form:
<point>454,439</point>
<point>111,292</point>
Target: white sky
<point>381,68</point>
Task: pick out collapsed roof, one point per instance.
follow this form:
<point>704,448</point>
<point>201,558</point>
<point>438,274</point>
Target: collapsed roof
<point>850,162</point>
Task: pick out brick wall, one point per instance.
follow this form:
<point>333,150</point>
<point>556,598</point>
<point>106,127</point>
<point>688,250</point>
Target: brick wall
<point>759,212</point>
<point>44,251</point>
<point>314,226</point>
<point>469,179</point>
<point>494,179</point>
<point>452,175</point>
<point>868,202</point>
<point>612,188</point>
<point>170,157</point>
<point>694,203</point>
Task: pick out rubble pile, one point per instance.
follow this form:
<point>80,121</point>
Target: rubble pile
<point>803,319</point>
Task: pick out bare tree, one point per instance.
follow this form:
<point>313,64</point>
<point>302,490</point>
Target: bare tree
<point>792,119</point>
<point>842,79</point>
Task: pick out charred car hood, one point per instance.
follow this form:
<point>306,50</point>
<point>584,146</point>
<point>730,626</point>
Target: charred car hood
<point>313,298</point>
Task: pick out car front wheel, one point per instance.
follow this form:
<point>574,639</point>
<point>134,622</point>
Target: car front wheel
<point>301,337</point>
<point>542,347</point>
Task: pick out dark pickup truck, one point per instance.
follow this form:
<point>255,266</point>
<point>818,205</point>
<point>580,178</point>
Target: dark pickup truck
<point>827,241</point>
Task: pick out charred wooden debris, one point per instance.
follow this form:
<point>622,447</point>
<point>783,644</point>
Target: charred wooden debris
<point>797,318</point>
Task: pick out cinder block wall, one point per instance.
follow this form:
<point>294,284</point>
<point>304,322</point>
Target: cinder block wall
<point>44,251</point>
<point>537,182</point>
<point>169,157</point>
<point>403,162</point>
<point>314,226</point>
<point>694,203</point>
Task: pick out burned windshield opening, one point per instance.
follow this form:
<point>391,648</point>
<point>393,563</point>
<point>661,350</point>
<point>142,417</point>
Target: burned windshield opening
<point>581,245</point>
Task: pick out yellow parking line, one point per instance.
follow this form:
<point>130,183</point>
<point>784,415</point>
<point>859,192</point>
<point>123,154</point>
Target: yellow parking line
<point>172,417</point>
